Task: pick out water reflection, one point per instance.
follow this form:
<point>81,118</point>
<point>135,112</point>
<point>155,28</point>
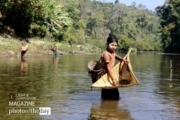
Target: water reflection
<point>24,67</point>
<point>108,110</point>
<point>55,61</point>
<point>170,75</point>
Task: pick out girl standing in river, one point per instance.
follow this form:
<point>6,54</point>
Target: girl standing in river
<point>108,60</point>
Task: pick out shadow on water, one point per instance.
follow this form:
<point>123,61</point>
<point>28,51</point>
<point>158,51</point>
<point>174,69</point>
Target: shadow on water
<point>62,83</point>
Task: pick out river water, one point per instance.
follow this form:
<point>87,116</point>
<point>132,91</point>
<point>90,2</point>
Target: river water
<point>63,85</point>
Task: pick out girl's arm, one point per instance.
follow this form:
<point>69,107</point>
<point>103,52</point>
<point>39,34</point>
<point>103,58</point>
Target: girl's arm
<point>121,59</point>
<point>110,73</point>
<point>108,66</point>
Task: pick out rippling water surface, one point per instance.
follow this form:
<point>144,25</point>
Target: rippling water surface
<point>62,83</point>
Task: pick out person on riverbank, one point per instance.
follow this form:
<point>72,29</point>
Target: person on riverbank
<point>55,48</point>
<point>108,58</point>
<point>23,49</point>
<point>70,43</point>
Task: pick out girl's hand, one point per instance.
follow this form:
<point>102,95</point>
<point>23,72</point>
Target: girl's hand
<point>115,82</point>
<point>126,61</point>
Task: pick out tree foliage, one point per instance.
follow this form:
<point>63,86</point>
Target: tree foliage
<point>34,17</point>
<point>83,21</point>
<point>170,25</point>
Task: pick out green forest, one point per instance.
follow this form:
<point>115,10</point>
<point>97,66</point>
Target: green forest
<point>91,21</point>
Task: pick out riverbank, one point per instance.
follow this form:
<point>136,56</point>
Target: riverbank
<point>38,47</point>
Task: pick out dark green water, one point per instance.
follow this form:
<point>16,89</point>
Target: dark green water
<point>63,84</point>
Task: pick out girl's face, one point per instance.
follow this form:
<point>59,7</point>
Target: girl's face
<point>112,46</point>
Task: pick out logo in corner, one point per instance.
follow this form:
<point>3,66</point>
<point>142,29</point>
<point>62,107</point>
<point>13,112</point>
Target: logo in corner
<point>12,96</point>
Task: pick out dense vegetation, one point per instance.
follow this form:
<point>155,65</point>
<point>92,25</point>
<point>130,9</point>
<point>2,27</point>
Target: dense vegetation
<point>170,25</point>
<point>30,18</point>
<point>82,21</point>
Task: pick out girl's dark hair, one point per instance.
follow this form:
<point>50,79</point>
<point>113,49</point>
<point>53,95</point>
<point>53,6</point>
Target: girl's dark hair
<point>112,38</point>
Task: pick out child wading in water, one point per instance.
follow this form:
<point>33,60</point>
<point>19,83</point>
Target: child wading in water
<point>108,59</point>
<point>55,49</point>
<point>23,49</point>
